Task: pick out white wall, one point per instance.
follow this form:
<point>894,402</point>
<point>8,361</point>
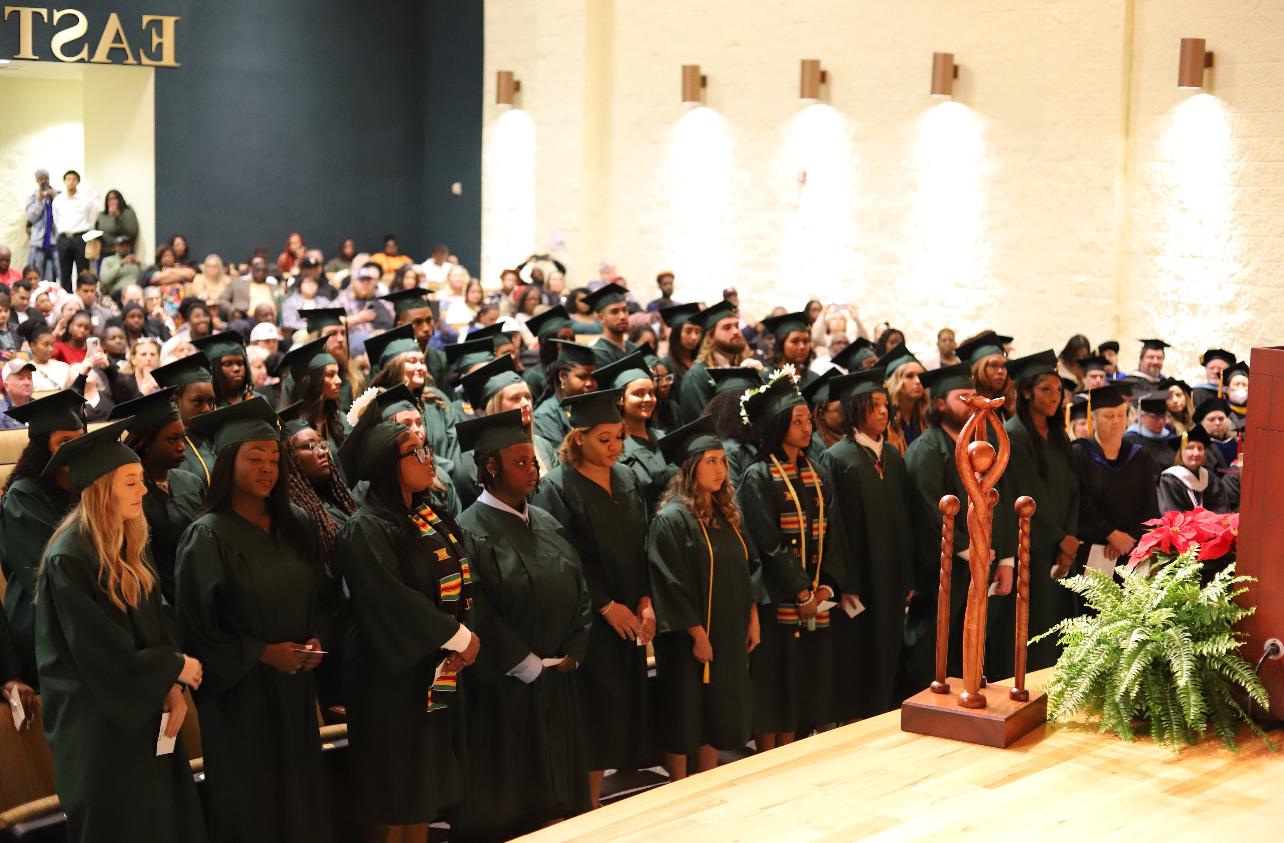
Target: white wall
<point>120,142</point>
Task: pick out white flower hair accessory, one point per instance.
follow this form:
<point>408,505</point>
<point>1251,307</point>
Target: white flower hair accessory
<point>359,406</point>
<point>750,393</point>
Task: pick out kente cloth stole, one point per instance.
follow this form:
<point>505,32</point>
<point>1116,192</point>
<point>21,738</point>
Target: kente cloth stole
<point>798,496</point>
<point>454,588</point>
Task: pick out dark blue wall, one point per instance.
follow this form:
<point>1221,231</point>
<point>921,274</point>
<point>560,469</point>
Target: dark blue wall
<point>331,117</point>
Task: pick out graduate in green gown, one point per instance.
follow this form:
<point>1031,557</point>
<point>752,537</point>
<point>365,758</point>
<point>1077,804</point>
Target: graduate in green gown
<point>316,382</point>
<point>602,509</point>
<point>609,303</point>
<point>872,492</point>
<point>986,356</point>
<point>406,566</point>
<point>193,395</point>
<point>110,666</point>
<point>638,403</point>
<point>572,373</point>
<point>410,307</point>
<point>787,504</point>
<point>396,359</point>
<point>723,346</point>
<point>737,437</point>
<point>494,388</point>
<point>31,506</point>
<point>525,729</point>
<point>826,415</point>
<point>331,323</point>
<point>247,600</point>
<point>792,350</point>
<point>1039,466</point>
<point>704,584</point>
<point>553,324</point>
<point>229,368</point>
<point>685,335</point>
<point>157,435</point>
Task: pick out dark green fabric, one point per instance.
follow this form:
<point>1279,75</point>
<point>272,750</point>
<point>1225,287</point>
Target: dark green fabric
<point>435,359</point>
<point>405,761</point>
<point>606,352</point>
<point>536,378</point>
<point>690,714</point>
<point>198,460</point>
<point>695,391</point>
<point>168,515</point>
<point>105,673</point>
<point>525,742</point>
<point>240,589</point>
<point>739,456</point>
<point>28,517</point>
<point>551,422</point>
<point>608,530</point>
<point>651,472</point>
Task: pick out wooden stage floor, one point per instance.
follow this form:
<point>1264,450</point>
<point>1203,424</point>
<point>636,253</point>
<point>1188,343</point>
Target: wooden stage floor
<point>871,781</point>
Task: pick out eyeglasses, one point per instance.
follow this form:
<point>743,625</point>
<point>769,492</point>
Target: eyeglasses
<point>318,446</point>
<point>665,380</point>
<point>422,454</point>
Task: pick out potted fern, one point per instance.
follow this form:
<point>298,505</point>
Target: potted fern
<point>1158,649</point>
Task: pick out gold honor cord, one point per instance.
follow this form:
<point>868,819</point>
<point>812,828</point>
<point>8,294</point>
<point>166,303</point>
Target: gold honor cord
<point>205,468</point>
<point>708,617</point>
<point>802,524</point>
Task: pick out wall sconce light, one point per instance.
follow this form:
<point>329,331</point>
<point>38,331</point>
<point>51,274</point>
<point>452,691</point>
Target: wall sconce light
<point>812,78</point>
<point>944,72</point>
<point>693,83</point>
<point>506,85</point>
<point>1190,67</point>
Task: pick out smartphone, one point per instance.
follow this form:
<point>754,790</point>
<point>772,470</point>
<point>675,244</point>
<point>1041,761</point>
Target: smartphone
<point>92,346</point>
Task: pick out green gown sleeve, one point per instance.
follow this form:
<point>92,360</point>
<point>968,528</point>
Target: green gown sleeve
<point>502,648</point>
<point>402,625</point>
<point>551,495</point>
<point>676,594</point>
<point>129,684</point>
<point>226,654</point>
<point>31,523</point>
<point>783,576</point>
<point>694,392</point>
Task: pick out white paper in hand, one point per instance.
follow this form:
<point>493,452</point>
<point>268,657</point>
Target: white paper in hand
<point>16,709</point>
<point>853,612</point>
<point>1097,560</point>
<point>164,745</point>
<point>552,661</point>
<point>825,605</point>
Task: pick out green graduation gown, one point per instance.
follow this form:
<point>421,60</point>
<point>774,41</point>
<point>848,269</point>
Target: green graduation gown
<point>405,734</point>
<point>10,663</point>
<point>29,514</point>
<point>536,378</point>
<point>168,515</point>
<point>739,456</point>
<point>694,392</point>
<point>240,589</point>
<point>551,423</point>
<point>872,494</point>
<point>1044,472</point>
<point>689,713</point>
<point>607,352</point>
<point>525,741</point>
<point>435,359</point>
<point>105,673</point>
<point>650,470</point>
<point>608,530</point>
<point>198,460</point>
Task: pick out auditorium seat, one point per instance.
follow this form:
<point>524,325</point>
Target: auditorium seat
<point>27,784</point>
<point>11,444</point>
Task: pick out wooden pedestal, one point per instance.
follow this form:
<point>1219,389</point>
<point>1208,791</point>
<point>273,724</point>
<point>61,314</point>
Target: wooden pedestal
<point>1001,723</point>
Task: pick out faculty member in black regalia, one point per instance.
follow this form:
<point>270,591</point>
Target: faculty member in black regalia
<point>705,583</point>
<point>1189,483</point>
<point>247,599</point>
<point>605,514</point>
<point>109,658</point>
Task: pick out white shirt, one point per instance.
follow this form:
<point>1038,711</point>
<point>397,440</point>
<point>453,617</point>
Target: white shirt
<point>435,273</point>
<point>495,503</point>
<point>74,214</point>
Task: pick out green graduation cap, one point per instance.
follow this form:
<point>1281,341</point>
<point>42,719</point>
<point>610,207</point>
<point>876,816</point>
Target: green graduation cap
<point>738,378</point>
<point>91,456</point>
<point>494,331</point>
<point>574,354</point>
<point>689,440</point>
<point>481,384</point>
<point>677,315</point>
<point>359,453</point>
<point>605,296</point>
<point>629,368</point>
<point>941,381</point>
<point>292,420</point>
<point>396,400</point>
<point>60,411</point>
<point>857,352</point>
<point>780,395</point>
<point>220,345</point>
<point>1033,365</point>
<point>149,412</point>
<point>708,318</point>
<point>304,358</point>
<point>549,322</point>
<point>403,301</point>
<point>844,387</point>
<point>251,420</point>
<point>194,368</point>
<point>462,356</point>
<point>783,326</point>
<point>895,357</point>
<point>382,349</point>
<point>817,392</point>
<point>488,434</point>
<point>319,318</point>
<point>590,409</point>
<point>982,345</point>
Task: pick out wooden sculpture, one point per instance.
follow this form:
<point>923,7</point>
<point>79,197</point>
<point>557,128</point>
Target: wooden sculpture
<point>970,715</point>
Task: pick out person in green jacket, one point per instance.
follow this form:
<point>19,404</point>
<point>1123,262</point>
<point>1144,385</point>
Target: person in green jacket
<point>553,324</point>
<point>704,576</point>
<point>601,507</point>
<point>31,506</point>
<point>193,395</point>
<point>247,600</point>
<point>110,667</point>
<point>329,322</point>
<point>638,403</point>
<point>174,496</point>
<point>572,373</point>
<point>406,566</point>
<point>525,729</point>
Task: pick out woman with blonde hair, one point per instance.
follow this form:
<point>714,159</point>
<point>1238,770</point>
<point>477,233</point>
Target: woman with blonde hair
<point>212,280</point>
<point>909,398</point>
<point>111,672</point>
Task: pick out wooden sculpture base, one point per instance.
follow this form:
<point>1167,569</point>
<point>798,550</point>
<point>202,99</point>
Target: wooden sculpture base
<point>1001,723</point>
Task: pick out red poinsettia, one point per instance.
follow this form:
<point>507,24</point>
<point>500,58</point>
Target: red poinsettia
<point>1175,532</point>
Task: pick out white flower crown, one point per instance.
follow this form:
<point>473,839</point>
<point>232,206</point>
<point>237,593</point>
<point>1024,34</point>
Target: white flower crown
<point>786,372</point>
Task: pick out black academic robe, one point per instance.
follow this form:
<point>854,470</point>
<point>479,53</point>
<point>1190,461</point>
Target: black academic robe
<point>1043,471</point>
<point>168,515</point>
<point>1117,494</point>
<point>104,675</point>
<point>650,469</point>
<point>29,514</point>
<point>240,589</point>
<point>872,493</point>
<point>608,529</point>
<point>690,713</point>
<point>1161,452</point>
<point>405,734</point>
<point>606,352</point>
<point>1179,491</point>
<point>525,741</point>
<point>198,459</point>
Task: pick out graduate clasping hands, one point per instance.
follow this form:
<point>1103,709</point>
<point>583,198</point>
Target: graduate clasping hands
<point>624,622</point>
<point>291,657</point>
<point>176,706</point>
